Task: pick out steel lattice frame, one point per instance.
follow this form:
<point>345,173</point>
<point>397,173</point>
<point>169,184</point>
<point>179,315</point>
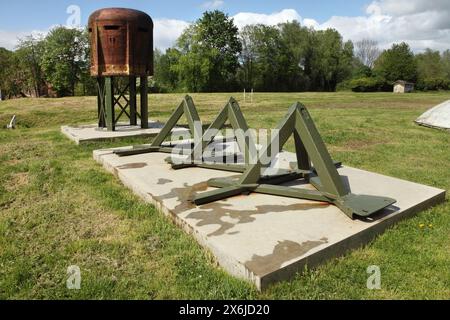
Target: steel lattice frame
<point>109,97</point>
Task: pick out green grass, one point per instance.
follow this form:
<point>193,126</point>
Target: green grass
<point>60,208</point>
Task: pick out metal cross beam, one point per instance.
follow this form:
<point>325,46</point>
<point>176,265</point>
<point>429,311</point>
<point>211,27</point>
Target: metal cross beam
<point>231,112</point>
<point>110,96</point>
<point>324,176</point>
<point>186,108</point>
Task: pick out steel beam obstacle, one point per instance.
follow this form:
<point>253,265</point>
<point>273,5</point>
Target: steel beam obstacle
<point>186,108</point>
<point>314,164</point>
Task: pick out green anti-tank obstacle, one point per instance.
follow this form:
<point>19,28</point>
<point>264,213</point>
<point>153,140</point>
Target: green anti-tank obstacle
<point>314,163</point>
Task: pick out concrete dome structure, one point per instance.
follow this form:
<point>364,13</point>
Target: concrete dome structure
<point>437,117</point>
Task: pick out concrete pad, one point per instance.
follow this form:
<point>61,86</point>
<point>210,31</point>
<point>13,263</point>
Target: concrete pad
<point>263,238</point>
<point>89,133</point>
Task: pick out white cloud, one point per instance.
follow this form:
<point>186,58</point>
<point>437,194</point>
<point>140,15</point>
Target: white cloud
<point>421,23</point>
<point>214,4</point>
<point>167,31</point>
<point>10,39</point>
<point>248,18</point>
<point>311,23</point>
<point>406,7</point>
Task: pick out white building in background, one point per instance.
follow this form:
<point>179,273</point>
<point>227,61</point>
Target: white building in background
<point>401,86</point>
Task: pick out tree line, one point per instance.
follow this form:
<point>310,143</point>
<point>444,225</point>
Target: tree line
<point>56,65</point>
<point>213,55</point>
<point>429,70</point>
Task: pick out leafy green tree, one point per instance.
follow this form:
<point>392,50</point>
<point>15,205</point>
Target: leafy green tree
<point>397,63</point>
<point>331,60</point>
<point>65,59</point>
<point>431,71</point>
<point>210,50</point>
<point>5,64</point>
<point>87,84</point>
<point>290,57</point>
<point>445,60</point>
<point>429,65</point>
<point>166,74</point>
<point>297,41</point>
<point>262,39</point>
<point>247,58</point>
<point>14,80</point>
<point>219,37</point>
<point>194,62</point>
<point>29,54</point>
<point>266,56</point>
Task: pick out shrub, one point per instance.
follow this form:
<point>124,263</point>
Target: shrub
<point>369,84</point>
<point>344,86</point>
<point>431,84</point>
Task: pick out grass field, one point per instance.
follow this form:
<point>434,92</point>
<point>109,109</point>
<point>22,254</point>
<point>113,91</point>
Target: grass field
<point>60,208</point>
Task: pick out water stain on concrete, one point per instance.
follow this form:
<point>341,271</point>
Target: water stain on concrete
<point>283,252</point>
<point>164,181</point>
<point>184,196</point>
<point>215,212</point>
<point>137,165</point>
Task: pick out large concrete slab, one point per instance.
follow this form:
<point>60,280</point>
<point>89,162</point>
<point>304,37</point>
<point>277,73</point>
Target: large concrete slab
<point>89,133</point>
<point>265,238</point>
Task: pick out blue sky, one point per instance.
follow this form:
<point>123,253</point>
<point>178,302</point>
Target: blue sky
<point>421,23</point>
<point>23,15</point>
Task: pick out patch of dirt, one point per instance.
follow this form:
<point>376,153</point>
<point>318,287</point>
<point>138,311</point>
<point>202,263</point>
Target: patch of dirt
<point>17,181</point>
<point>13,162</point>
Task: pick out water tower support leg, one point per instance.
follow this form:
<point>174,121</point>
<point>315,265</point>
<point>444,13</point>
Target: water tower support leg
<point>133,113</point>
<point>101,102</point>
<point>109,104</point>
<point>144,102</point>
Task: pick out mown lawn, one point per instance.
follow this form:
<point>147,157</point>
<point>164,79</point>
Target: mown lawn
<point>58,207</point>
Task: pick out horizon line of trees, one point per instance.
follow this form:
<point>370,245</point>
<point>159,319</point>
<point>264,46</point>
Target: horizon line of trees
<point>56,65</point>
<point>212,55</point>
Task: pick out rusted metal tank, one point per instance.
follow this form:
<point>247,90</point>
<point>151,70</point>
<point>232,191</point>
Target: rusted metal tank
<point>121,43</point>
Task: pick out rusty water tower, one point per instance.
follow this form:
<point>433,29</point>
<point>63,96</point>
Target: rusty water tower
<point>121,53</point>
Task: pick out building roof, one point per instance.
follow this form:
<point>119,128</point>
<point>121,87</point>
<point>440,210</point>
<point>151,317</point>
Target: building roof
<point>403,83</point>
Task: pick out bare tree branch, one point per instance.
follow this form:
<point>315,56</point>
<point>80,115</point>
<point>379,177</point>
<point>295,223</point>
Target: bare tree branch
<point>367,51</point>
